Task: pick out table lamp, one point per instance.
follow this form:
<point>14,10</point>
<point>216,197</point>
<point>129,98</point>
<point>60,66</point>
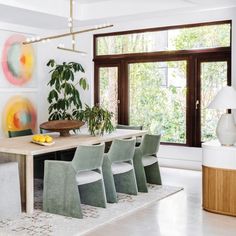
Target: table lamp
<point>226,129</point>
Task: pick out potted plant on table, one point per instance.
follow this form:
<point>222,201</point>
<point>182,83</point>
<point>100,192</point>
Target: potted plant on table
<point>98,120</point>
<point>64,97</point>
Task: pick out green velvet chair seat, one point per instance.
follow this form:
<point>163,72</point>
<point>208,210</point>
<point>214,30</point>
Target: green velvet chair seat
<point>149,160</point>
<point>121,167</point>
<point>67,184</point>
<point>86,177</point>
<point>146,163</point>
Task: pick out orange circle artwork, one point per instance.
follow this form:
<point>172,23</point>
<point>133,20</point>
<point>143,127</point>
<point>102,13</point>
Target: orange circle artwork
<point>19,114</point>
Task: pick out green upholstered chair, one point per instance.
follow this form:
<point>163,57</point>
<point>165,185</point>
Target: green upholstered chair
<point>134,127</point>
<point>19,133</point>
<point>39,159</point>
<point>67,184</point>
<point>145,162</point>
<point>118,170</point>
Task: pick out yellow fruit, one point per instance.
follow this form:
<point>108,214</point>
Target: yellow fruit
<point>41,139</point>
<point>48,139</point>
<point>36,138</point>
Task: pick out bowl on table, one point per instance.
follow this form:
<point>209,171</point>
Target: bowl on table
<point>62,126</point>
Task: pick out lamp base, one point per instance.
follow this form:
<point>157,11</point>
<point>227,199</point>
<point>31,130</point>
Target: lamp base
<point>226,130</point>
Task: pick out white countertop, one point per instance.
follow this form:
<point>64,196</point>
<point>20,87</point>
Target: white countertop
<point>217,156</point>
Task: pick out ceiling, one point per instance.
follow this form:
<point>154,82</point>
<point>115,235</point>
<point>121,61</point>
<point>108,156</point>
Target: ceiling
<point>53,14</point>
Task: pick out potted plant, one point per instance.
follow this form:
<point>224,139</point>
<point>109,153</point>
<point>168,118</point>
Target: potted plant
<point>64,97</point>
<point>98,120</point>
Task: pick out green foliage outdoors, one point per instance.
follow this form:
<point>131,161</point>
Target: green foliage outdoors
<point>158,108</point>
<point>157,90</point>
<point>64,97</point>
<point>108,90</point>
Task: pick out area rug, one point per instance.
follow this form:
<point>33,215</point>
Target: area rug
<point>44,224</point>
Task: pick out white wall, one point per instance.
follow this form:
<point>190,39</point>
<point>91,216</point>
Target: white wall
<point>181,157</point>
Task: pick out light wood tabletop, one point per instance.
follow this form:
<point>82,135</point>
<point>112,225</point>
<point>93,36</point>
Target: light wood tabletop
<point>24,146</point>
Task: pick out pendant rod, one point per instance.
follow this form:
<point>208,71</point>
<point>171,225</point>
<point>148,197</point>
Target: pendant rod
<point>67,34</point>
<point>72,23</point>
<point>71,50</point>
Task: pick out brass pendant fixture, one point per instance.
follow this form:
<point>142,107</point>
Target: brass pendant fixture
<point>72,33</point>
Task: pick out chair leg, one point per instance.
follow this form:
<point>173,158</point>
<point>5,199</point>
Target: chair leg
<point>126,183</point>
<point>153,174</point>
<point>109,183</point>
<point>140,175</point>
<point>93,194</point>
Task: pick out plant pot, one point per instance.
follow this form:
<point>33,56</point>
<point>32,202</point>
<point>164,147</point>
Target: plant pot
<point>98,132</point>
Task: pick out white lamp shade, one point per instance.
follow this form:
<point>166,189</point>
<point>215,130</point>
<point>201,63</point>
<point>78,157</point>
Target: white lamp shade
<point>225,99</point>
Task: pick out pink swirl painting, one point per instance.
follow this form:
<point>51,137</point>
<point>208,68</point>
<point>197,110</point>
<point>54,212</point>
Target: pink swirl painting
<point>18,60</point>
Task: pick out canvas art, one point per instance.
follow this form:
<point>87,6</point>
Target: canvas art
<point>18,83</point>
<point>18,62</point>
<point>18,112</point>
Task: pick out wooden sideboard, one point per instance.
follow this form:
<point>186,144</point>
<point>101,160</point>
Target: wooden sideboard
<point>219,178</point>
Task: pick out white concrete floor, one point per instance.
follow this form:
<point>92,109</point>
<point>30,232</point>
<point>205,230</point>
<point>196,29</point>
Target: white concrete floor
<point>178,215</point>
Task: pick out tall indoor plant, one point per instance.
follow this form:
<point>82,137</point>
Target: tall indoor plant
<point>64,97</point>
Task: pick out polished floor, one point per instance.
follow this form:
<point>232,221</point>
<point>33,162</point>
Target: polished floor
<point>177,215</point>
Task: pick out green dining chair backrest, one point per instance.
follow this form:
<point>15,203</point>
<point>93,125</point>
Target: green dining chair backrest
<point>18,133</point>
<point>122,150</point>
<point>88,157</point>
<point>139,127</point>
<point>150,144</point>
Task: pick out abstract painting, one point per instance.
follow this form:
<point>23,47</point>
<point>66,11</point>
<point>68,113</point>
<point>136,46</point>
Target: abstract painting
<point>19,113</point>
<point>18,60</point>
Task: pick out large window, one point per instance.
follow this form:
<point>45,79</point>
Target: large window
<point>108,84</point>
<point>164,78</point>
<point>157,98</point>
<point>185,38</point>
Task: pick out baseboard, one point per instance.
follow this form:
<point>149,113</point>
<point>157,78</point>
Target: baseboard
<point>180,164</point>
<point>180,157</point>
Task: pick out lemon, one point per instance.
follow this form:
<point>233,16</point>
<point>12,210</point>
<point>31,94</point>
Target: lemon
<point>41,139</point>
<point>48,139</point>
<point>36,138</point>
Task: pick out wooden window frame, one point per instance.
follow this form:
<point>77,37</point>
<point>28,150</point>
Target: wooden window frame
<point>193,58</point>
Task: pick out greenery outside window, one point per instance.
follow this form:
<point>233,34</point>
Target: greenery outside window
<point>163,78</point>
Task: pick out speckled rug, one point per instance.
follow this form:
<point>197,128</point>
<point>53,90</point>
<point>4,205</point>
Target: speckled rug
<point>44,224</point>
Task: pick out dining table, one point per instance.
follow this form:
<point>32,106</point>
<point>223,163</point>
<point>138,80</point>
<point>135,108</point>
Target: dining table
<point>22,150</point>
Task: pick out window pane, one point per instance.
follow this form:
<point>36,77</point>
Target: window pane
<point>201,37</point>
<point>108,79</point>
<point>213,78</point>
<point>211,36</point>
<point>157,93</point>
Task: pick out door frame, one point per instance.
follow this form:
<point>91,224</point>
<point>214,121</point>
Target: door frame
<point>221,57</point>
<point>97,85</point>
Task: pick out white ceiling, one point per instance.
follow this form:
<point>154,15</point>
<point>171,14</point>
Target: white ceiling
<point>52,14</point>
